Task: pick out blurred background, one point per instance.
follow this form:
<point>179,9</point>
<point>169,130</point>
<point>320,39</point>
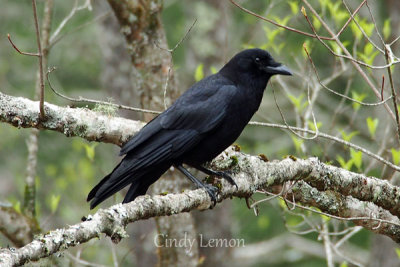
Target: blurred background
<point>92,61</point>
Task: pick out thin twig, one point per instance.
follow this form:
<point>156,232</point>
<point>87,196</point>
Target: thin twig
<point>74,9</point>
<point>290,128</point>
<point>330,137</point>
<point>364,218</point>
<point>171,51</point>
<point>327,244</point>
<point>349,57</point>
<point>57,38</point>
<point>389,58</point>
<point>375,26</point>
<point>273,22</point>
<point>179,42</point>
<point>19,51</point>
<point>40,56</point>
<point>339,94</point>
<point>362,30</point>
<point>82,99</point>
<point>344,49</point>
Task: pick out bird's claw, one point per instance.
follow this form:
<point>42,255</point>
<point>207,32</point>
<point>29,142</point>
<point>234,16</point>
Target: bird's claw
<point>226,176</point>
<point>212,192</point>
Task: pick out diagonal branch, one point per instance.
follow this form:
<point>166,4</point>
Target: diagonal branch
<point>252,174</point>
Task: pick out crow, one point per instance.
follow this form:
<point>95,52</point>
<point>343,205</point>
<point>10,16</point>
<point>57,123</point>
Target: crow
<point>201,123</point>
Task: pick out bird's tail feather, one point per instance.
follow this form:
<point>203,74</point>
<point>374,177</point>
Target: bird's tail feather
<point>141,180</point>
<point>140,187</point>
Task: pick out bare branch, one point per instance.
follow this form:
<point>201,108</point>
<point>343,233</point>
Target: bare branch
<point>40,56</point>
<point>92,101</point>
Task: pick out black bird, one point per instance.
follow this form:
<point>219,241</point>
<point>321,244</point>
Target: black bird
<point>202,123</point>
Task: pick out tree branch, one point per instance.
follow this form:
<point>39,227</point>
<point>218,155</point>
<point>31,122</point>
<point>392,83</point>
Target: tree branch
<point>252,174</point>
<point>90,125</point>
<point>17,227</point>
<point>367,201</point>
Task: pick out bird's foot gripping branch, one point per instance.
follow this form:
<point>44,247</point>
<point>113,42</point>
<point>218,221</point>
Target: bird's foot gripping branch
<point>336,192</point>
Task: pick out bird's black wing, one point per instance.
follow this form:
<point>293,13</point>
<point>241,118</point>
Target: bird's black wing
<point>200,109</point>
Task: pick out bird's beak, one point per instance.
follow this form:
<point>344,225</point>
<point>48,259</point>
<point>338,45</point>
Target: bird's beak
<point>281,69</point>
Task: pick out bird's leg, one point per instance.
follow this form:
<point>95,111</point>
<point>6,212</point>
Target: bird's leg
<point>222,174</point>
<point>211,190</point>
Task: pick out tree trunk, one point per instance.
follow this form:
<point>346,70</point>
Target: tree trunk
<point>140,22</point>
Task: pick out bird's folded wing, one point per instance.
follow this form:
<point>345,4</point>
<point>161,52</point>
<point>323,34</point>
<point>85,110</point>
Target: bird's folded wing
<point>192,112</point>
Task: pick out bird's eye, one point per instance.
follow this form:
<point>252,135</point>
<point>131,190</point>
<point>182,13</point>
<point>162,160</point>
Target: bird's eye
<point>257,59</point>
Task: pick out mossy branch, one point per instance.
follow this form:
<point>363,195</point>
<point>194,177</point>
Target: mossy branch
<point>367,201</point>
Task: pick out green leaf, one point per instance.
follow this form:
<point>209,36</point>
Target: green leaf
<point>344,264</point>
<point>336,48</point>
<point>199,73</point>
<point>298,142</point>
<point>282,203</point>
<point>317,24</point>
<point>17,206</point>
<point>54,200</point>
<point>312,126</point>
<point>90,150</point>
<point>213,70</point>
<point>298,101</point>
<point>354,28</point>
<point>386,29</point>
<point>372,125</point>
<point>358,97</point>
<point>345,165</point>
<point>294,6</point>
<point>50,170</point>
<point>348,137</point>
<point>356,157</point>
<point>398,252</point>
<point>368,49</point>
<point>283,21</point>
<point>325,218</point>
<point>263,222</point>
<point>396,156</point>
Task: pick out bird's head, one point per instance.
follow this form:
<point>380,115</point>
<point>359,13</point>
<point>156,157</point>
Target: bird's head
<point>255,63</point>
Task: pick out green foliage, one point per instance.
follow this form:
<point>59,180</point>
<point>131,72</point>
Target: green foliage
<point>263,222</point>
<point>348,137</point>
<point>17,206</point>
<point>355,160</point>
<point>213,70</point>
<point>54,201</point>
<point>308,45</point>
<point>316,23</point>
<point>343,163</point>
<point>386,29</point>
<point>294,7</point>
<point>199,73</point>
<point>369,54</point>
<point>356,157</point>
<point>298,142</point>
<point>368,27</point>
<point>372,125</point>
<point>358,97</point>
<point>397,252</point>
<point>395,156</point>
<point>90,150</point>
<point>338,14</point>
<point>299,102</point>
<point>311,125</point>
